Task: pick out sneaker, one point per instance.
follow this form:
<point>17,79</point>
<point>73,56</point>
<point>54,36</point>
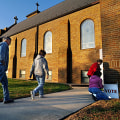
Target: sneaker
<point>32,95</point>
<point>109,97</point>
<point>8,101</point>
<point>94,97</point>
<point>41,96</point>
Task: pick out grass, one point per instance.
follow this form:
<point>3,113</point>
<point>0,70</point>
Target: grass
<point>21,88</point>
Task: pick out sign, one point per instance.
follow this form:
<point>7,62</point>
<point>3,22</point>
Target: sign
<point>111,90</point>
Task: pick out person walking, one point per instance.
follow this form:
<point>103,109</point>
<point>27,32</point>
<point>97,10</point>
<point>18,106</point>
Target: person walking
<point>4,59</point>
<point>94,67</point>
<point>40,69</point>
<point>95,86</point>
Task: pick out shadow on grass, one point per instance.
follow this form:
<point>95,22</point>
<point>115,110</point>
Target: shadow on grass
<point>22,88</point>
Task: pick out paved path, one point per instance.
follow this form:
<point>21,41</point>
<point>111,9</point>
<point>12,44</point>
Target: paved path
<point>54,106</point>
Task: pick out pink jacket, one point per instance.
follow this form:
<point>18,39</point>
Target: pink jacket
<point>95,81</point>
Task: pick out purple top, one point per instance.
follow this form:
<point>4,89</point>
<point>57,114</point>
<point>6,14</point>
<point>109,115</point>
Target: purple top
<point>95,81</point>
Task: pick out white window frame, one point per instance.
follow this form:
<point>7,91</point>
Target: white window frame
<point>84,77</point>
<point>22,73</point>
<point>23,47</point>
<point>87,34</point>
<point>48,42</point>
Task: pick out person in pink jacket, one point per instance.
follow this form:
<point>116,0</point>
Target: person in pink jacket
<point>95,86</point>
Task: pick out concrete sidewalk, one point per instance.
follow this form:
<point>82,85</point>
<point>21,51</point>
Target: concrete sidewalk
<point>54,106</point>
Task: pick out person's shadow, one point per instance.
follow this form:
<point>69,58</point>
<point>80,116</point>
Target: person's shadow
<point>111,76</point>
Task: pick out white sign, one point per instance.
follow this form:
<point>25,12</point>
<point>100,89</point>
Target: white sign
<point>111,90</point>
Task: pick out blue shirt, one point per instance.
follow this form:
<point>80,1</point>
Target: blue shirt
<point>4,54</point>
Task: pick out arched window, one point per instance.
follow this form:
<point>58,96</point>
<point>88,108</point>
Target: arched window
<point>23,48</point>
<point>48,42</point>
<point>87,34</point>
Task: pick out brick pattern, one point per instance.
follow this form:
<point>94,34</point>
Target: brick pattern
<point>110,17</point>
<point>82,59</point>
<point>57,61</point>
<point>23,63</point>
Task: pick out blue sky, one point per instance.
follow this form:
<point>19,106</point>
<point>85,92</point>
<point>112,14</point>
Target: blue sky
<point>20,8</point>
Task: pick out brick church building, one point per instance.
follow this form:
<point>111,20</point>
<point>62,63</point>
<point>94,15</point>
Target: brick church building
<point>74,33</point>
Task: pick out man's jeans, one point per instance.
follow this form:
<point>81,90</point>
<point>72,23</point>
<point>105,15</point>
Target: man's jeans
<point>4,81</point>
<point>41,82</point>
<point>99,94</point>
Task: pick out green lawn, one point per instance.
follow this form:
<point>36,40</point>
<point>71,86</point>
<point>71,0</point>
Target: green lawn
<point>21,88</point>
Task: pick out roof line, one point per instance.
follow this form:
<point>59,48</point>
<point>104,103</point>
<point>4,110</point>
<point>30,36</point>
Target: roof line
<point>94,3</point>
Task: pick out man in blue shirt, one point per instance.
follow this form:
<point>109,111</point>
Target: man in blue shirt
<point>4,59</point>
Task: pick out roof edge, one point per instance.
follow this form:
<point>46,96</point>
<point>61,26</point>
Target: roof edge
<point>89,5</point>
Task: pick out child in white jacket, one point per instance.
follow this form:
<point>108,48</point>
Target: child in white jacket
<point>39,67</point>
